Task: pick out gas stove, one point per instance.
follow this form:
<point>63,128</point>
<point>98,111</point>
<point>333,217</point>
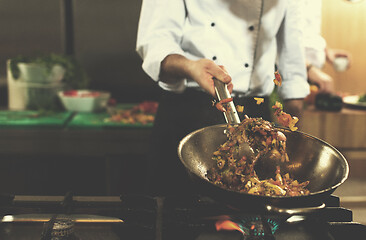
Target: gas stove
<point>203,218</point>
<point>142,217</point>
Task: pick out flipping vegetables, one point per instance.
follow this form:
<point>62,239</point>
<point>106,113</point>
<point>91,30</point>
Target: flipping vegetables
<point>238,174</point>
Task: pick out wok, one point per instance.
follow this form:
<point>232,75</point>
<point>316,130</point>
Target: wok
<point>310,159</point>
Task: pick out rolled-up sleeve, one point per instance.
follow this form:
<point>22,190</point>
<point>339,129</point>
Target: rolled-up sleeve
<point>314,43</point>
<point>159,35</point>
<point>291,57</point>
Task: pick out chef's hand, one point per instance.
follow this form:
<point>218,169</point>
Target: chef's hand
<point>321,79</point>
<point>202,71</point>
<point>333,53</point>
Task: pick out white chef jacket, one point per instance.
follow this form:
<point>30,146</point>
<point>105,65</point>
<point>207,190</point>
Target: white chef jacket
<point>313,41</point>
<point>246,36</point>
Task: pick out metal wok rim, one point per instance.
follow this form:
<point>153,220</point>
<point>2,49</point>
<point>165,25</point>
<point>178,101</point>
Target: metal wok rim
<point>332,188</point>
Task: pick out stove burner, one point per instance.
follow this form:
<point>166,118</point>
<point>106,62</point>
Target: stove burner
<point>259,226</point>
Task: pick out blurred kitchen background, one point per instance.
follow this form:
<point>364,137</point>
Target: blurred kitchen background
<point>101,35</point>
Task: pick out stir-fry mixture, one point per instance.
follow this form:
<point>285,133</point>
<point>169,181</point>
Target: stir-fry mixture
<point>278,79</point>
<point>239,175</point>
<point>283,118</point>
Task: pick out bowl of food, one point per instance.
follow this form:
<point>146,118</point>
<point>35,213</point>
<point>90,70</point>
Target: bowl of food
<point>84,100</point>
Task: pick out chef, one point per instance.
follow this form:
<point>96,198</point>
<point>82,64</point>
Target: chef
<point>316,50</point>
<point>184,43</point>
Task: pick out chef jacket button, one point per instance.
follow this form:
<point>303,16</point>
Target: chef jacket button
<point>214,58</point>
<point>212,24</point>
<point>246,65</point>
<point>251,28</point>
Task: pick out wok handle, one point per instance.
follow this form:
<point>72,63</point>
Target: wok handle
<point>231,115</point>
<point>294,211</point>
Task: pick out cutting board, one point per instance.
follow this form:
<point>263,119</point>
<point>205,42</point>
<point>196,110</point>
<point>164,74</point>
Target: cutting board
<point>15,119</point>
<point>100,120</point>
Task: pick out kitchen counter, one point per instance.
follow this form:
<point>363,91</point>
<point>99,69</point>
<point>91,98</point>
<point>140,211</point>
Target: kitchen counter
<point>54,155</point>
<point>344,129</point>
<point>100,158</point>
<point>67,133</point>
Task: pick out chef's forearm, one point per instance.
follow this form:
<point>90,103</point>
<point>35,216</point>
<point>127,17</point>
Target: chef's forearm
<point>174,67</point>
